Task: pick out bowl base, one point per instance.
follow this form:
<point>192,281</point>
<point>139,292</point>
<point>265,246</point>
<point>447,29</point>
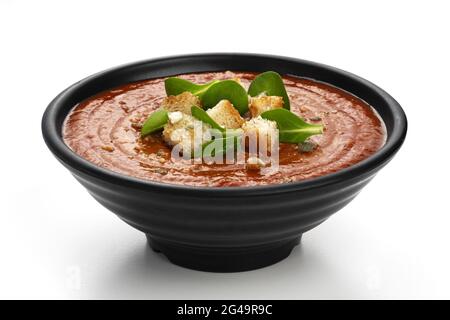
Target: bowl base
<point>224,259</point>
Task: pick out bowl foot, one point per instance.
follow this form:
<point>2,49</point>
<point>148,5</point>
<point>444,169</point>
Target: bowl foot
<point>224,259</point>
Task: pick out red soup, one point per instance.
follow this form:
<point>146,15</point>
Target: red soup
<point>105,129</point>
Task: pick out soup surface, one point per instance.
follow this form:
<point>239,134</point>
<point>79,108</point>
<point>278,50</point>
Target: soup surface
<point>104,129</point>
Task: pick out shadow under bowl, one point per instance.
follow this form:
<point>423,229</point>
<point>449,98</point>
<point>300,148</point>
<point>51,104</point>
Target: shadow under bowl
<point>231,228</point>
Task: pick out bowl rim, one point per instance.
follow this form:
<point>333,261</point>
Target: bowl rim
<point>53,139</point>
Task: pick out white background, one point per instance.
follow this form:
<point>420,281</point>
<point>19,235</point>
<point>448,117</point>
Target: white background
<point>392,241</point>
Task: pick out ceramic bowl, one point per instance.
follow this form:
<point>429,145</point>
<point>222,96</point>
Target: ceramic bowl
<point>231,228</point>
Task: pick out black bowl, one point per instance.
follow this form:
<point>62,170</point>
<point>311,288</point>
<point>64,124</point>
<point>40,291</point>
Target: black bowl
<point>231,228</point>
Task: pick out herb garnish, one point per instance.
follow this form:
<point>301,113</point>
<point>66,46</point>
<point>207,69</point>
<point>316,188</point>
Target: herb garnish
<point>201,115</point>
<point>292,129</point>
<point>226,90</point>
<point>211,93</point>
<point>230,139</point>
<point>174,86</point>
<point>269,83</point>
<point>155,122</point>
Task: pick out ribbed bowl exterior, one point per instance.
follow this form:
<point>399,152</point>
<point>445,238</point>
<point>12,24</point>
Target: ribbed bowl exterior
<point>223,229</point>
<point>225,221</point>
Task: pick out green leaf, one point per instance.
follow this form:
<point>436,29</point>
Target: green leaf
<point>292,129</point>
<point>230,140</point>
<point>271,84</point>
<point>174,86</point>
<point>226,90</point>
<point>201,115</point>
<point>155,122</point>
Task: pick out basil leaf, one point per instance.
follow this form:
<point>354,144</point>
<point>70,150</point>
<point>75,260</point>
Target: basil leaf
<point>155,122</point>
<point>230,140</point>
<point>229,137</point>
<point>201,115</point>
<point>292,129</point>
<point>226,90</point>
<point>271,84</point>
<point>175,86</point>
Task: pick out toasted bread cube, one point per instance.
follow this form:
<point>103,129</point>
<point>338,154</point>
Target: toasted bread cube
<point>261,130</point>
<point>226,115</point>
<point>182,129</point>
<point>263,103</point>
<point>182,102</point>
<point>174,117</point>
<point>255,163</point>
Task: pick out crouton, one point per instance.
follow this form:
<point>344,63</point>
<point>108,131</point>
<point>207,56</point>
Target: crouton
<point>255,163</point>
<point>261,130</point>
<point>174,117</point>
<point>263,103</point>
<point>182,129</point>
<point>226,115</point>
<point>182,102</point>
